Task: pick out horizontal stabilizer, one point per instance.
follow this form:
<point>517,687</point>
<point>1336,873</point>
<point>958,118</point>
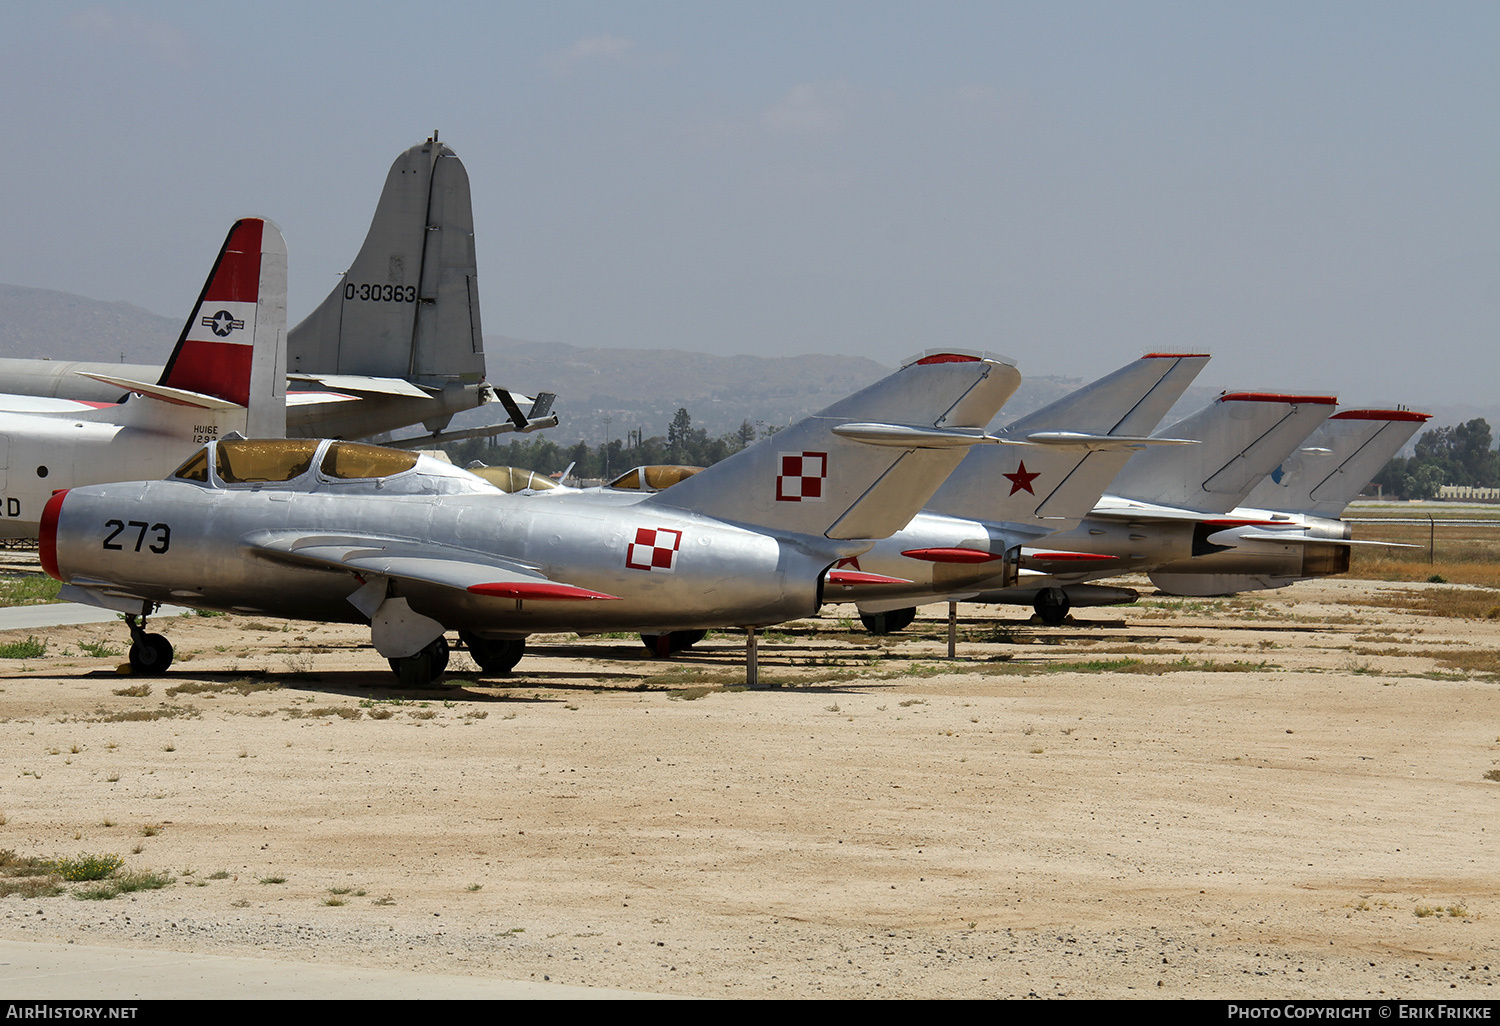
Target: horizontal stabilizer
<point>1077,440</point>
<point>1291,537</point>
<point>364,385</point>
<point>175,396</point>
<point>1122,510</point>
<point>422,441</point>
<point>912,436</point>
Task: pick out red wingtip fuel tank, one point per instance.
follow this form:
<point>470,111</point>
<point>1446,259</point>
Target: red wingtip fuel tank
<point>47,538</point>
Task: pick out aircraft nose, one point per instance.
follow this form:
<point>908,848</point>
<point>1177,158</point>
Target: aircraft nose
<point>47,537</point>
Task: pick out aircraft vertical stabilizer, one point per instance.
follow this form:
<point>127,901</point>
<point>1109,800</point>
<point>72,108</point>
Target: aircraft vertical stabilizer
<point>1336,462</point>
<point>865,465</point>
<point>1020,484</point>
<point>232,350</point>
<point>408,306</point>
<point>1243,436</point>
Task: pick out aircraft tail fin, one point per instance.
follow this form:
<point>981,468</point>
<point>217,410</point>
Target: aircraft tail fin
<point>864,466</point>
<point>1242,435</point>
<point>1336,462</point>
<point>231,352</point>
<point>408,306</point>
<point>1020,484</point>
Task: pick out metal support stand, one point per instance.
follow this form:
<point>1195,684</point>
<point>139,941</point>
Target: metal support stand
<point>752,665</point>
<point>952,630</point>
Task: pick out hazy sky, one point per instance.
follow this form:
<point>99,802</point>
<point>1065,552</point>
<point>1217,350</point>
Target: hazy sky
<point>1308,190</point>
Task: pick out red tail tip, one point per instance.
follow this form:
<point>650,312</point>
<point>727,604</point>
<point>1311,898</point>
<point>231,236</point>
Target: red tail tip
<point>1276,397</point>
<point>947,358</point>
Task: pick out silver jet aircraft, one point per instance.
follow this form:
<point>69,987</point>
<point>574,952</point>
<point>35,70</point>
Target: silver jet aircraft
<point>968,539</point>
<point>225,376</point>
<point>1161,507</point>
<point>341,531</point>
<point>969,536</point>
<point>1159,511</point>
<point>1289,528</point>
<point>397,342</point>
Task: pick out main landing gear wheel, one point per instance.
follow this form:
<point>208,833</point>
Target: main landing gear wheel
<point>493,657</point>
<point>1052,605</point>
<point>420,670</point>
<point>664,645</point>
<point>888,622</point>
<point>150,654</point>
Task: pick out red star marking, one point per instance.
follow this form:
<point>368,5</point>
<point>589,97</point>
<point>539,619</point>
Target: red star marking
<point>852,562</point>
<point>1020,479</point>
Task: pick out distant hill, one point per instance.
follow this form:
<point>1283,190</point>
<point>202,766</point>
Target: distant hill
<point>644,388</point>
<point>635,388</point>
<point>42,324</point>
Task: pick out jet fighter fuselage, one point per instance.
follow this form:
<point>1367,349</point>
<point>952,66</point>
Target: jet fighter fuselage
<point>264,547</point>
<point>338,530</point>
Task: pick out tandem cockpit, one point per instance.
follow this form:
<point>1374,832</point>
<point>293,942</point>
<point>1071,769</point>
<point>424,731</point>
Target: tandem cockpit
<point>326,465</point>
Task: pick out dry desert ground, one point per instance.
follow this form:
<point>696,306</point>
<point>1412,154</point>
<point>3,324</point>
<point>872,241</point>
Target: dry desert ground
<point>1291,794</point>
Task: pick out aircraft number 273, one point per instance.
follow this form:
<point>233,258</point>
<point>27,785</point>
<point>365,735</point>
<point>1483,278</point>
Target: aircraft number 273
<point>162,538</point>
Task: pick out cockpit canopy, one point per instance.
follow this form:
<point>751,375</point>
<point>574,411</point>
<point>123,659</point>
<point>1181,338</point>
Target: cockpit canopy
<point>653,478</point>
<point>514,479</point>
<point>261,462</point>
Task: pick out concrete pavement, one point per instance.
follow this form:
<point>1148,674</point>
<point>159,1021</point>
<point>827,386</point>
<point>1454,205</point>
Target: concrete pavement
<point>77,972</point>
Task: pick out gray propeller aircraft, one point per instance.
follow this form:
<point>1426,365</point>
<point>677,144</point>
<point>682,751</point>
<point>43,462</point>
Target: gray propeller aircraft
<point>340,531</point>
<point>397,342</point>
<point>225,375</point>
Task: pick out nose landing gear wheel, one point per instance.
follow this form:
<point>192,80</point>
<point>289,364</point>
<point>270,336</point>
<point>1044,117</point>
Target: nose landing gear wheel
<point>150,655</point>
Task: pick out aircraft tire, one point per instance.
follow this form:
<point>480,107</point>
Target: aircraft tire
<point>493,657</point>
<point>684,640</point>
<point>150,655</point>
<point>664,645</point>
<point>1052,605</point>
<point>890,621</point>
<point>440,653</point>
<point>422,669</point>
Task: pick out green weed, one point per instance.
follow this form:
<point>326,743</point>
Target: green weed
<point>31,648</point>
<point>87,867</point>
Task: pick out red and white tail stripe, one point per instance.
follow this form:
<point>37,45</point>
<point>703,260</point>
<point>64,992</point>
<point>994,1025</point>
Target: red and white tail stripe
<point>214,353</point>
